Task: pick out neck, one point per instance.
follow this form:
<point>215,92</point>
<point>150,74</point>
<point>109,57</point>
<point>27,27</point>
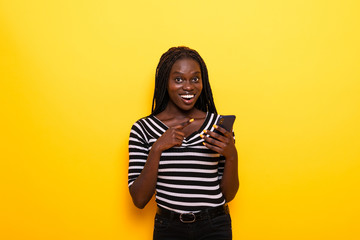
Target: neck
<point>172,111</point>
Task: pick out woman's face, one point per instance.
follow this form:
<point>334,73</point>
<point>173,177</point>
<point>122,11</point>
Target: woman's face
<point>185,83</point>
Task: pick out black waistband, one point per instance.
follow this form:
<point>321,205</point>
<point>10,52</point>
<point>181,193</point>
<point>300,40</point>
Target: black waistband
<point>208,213</point>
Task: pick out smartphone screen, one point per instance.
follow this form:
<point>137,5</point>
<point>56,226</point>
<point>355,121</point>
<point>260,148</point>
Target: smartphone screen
<point>226,122</point>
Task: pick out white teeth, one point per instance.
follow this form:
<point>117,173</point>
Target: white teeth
<point>187,96</point>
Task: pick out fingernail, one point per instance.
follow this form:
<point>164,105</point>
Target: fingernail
<point>191,120</point>
<point>215,126</point>
<point>202,136</point>
<point>204,143</point>
<point>205,131</point>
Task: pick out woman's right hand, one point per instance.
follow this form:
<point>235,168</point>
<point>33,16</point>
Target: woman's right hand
<point>144,186</point>
<point>173,136</point>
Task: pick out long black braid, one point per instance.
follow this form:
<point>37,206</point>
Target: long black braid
<point>204,103</point>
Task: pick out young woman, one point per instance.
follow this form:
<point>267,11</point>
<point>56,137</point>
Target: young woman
<point>175,153</point>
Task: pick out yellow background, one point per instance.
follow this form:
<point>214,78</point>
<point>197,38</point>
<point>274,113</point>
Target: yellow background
<point>75,76</point>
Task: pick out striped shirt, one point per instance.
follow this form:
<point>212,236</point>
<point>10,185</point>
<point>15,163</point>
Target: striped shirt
<point>188,176</point>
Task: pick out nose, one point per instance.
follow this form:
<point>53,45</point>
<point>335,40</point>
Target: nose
<point>188,86</point>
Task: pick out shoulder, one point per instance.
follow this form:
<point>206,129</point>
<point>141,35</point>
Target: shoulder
<point>148,124</point>
<point>213,116</point>
<point>138,129</point>
<point>139,125</point>
<point>143,120</point>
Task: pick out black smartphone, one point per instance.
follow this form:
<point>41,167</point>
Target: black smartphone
<point>226,122</point>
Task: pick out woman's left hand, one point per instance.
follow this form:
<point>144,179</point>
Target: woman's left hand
<point>223,144</point>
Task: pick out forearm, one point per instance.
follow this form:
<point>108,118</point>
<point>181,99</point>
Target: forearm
<point>143,188</point>
<point>230,179</point>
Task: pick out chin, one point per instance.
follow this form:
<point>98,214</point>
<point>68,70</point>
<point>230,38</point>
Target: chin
<point>187,107</point>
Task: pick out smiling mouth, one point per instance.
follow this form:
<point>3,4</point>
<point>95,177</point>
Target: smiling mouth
<point>187,96</point>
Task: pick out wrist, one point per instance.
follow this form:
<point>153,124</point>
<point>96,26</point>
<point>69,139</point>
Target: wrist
<point>231,158</point>
<point>156,147</point>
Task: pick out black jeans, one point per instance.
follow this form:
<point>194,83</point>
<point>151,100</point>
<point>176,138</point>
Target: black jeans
<point>217,228</point>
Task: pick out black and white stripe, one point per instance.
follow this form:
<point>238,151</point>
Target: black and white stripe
<point>189,176</point>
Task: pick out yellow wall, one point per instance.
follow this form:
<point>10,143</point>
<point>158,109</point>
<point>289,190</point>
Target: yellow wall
<point>75,75</point>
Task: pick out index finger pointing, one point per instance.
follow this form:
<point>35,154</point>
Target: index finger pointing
<point>184,124</point>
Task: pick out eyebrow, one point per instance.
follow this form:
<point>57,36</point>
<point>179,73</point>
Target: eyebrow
<point>176,72</point>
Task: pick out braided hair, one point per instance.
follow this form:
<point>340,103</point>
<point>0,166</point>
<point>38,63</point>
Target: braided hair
<point>204,103</point>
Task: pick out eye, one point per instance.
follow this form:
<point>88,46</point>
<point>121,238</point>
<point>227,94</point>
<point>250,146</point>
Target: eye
<point>196,79</point>
<point>178,80</point>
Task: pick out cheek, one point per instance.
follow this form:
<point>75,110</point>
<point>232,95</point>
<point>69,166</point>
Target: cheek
<point>200,88</point>
<point>171,90</point>
<point>168,88</point>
